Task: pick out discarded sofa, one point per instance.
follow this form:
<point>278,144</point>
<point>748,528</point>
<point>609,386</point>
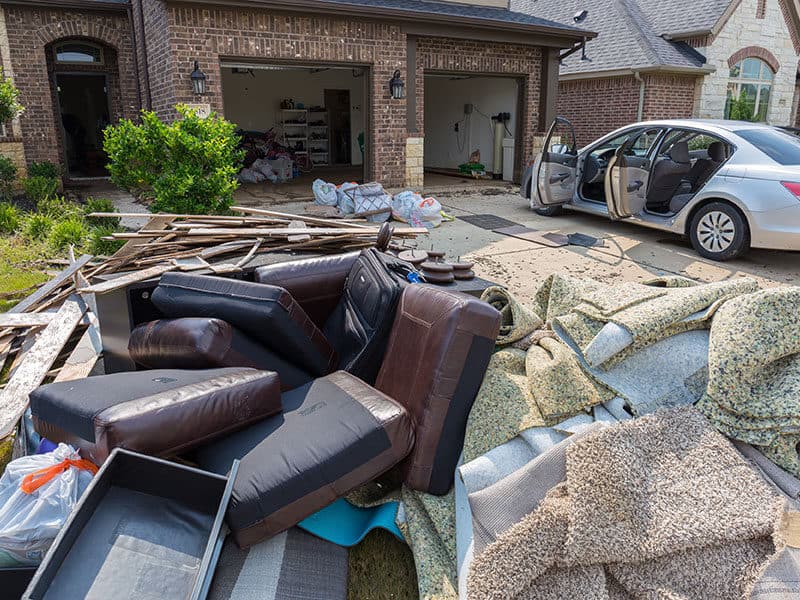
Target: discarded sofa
<point>335,431</point>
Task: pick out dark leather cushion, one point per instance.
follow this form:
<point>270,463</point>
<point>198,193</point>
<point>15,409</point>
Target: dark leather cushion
<point>438,352</point>
<point>316,283</point>
<point>201,343</point>
<point>159,412</point>
<point>266,313</point>
<point>334,435</point>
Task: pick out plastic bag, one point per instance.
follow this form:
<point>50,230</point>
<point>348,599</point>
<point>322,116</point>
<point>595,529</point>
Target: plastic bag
<point>417,211</point>
<point>251,176</point>
<point>37,494</point>
<point>372,197</point>
<point>344,200</point>
<point>324,193</point>
<point>262,166</point>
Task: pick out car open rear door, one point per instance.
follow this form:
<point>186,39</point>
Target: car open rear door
<point>626,181</point>
<point>553,181</point>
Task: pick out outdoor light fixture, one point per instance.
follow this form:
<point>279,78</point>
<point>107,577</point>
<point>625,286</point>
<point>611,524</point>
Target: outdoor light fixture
<point>396,85</point>
<point>198,80</point>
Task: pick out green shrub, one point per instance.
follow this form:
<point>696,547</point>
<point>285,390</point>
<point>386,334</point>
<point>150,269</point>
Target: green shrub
<point>9,218</point>
<point>38,226</point>
<point>100,205</point>
<point>8,174</point>
<point>70,231</point>
<point>44,169</point>
<point>59,208</point>
<point>188,166</point>
<point>100,247</point>
<point>38,188</point>
<point>9,100</point>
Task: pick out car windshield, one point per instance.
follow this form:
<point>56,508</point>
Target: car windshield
<point>781,147</point>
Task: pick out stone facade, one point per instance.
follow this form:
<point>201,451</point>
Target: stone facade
<point>415,172</point>
<point>744,35</point>
<point>15,150</point>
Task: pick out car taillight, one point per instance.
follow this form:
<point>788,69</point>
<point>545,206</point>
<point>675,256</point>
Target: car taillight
<point>792,186</point>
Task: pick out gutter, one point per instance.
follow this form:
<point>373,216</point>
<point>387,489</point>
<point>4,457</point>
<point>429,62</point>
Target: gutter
<point>697,71</point>
<point>689,33</point>
<point>640,110</point>
<point>115,6</point>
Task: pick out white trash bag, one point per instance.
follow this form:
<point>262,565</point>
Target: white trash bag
<point>324,193</point>
<point>29,522</point>
<point>410,207</point>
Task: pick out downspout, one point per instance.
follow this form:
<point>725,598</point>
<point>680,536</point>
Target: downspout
<point>640,110</point>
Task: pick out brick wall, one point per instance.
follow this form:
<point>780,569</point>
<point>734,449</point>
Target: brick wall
<point>30,33</point>
<point>156,52</point>
<point>467,56</point>
<point>598,106</point>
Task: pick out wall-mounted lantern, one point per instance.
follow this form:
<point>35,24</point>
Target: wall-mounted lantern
<point>396,85</point>
<point>198,80</point>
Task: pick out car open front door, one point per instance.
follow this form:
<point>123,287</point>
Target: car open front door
<point>627,175</point>
<point>554,170</point>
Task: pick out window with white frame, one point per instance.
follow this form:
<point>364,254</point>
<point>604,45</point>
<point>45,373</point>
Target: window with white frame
<point>80,53</point>
<point>749,89</point>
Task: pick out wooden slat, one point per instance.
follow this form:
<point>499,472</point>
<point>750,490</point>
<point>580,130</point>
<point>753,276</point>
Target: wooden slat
<point>157,223</point>
<point>83,358</point>
<point>282,215</point>
<point>303,237</point>
<point>125,280</point>
<point>38,361</point>
<point>318,231</point>
<point>51,285</point>
<point>25,319</point>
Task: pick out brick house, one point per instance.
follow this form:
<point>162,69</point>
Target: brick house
<point>677,59</point>
<point>81,65</point>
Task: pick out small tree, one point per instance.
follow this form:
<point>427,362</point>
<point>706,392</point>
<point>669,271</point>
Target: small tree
<point>188,166</point>
<point>10,107</point>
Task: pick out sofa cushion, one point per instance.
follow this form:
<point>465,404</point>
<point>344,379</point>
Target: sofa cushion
<point>335,434</point>
<point>202,343</point>
<point>158,412</point>
<point>438,351</point>
<point>266,313</point>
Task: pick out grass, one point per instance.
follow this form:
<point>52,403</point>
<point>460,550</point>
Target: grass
<point>21,267</point>
<point>382,568</point>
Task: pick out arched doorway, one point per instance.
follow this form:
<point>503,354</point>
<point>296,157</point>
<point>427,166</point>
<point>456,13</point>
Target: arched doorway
<point>85,82</point>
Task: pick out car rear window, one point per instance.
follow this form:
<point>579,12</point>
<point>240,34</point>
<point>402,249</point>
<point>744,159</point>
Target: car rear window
<point>781,147</point>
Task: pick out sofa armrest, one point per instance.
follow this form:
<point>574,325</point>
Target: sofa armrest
<point>315,283</point>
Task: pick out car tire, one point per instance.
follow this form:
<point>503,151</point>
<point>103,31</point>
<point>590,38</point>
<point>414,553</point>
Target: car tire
<point>549,211</point>
<point>718,231</point>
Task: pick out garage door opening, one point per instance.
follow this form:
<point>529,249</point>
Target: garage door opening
<point>467,116</point>
<point>307,121</point>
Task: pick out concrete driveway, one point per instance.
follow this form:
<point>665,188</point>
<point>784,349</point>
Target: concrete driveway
<point>631,253</point>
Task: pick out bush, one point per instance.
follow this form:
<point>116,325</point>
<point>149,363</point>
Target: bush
<point>189,166</point>
<point>8,174</point>
<point>59,208</point>
<point>10,107</point>
<point>39,189</point>
<point>100,205</point>
<point>100,247</point>
<point>44,169</point>
<point>9,218</point>
<point>70,231</point>
<point>38,226</point>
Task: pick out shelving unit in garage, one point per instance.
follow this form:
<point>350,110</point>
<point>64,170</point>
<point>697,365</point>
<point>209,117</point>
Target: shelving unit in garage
<point>319,137</point>
<point>294,123</point>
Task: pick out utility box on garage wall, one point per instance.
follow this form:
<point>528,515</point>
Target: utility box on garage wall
<point>508,159</point>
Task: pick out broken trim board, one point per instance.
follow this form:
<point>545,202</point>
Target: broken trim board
<point>51,285</point>
<point>134,277</point>
<point>38,361</point>
<point>25,319</point>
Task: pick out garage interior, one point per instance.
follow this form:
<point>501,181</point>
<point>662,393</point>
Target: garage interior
<point>317,112</point>
<point>461,117</point>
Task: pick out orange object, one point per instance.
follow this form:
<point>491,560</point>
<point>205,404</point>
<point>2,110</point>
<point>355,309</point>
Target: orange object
<point>33,481</point>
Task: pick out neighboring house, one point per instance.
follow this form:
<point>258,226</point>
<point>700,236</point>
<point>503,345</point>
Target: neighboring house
<point>683,58</point>
<point>81,65</point>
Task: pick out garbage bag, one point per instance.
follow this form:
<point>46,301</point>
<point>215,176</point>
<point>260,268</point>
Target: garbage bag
<point>265,168</point>
<point>372,197</point>
<point>410,207</point>
<point>37,494</point>
<point>344,199</point>
<point>251,176</point>
<point>324,193</point>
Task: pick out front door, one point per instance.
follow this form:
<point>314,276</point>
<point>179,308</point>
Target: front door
<point>84,112</point>
<point>627,175</point>
<point>555,168</point>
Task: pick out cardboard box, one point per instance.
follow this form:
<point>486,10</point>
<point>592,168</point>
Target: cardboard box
<point>144,528</point>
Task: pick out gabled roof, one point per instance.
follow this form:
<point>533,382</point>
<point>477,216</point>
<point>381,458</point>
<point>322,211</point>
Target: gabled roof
<point>630,37</point>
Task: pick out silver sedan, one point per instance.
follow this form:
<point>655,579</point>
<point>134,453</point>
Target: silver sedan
<point>727,185</point>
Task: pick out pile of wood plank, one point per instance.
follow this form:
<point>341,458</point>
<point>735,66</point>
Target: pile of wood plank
<point>53,334</point>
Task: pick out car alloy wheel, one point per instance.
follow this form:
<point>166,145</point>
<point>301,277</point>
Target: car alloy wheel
<point>716,231</point>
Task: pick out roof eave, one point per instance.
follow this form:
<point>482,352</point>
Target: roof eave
<point>678,36</point>
<point>568,34</point>
<point>678,70</point>
<point>76,4</point>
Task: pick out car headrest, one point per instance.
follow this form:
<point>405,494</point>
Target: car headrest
<point>680,152</point>
<point>716,151</point>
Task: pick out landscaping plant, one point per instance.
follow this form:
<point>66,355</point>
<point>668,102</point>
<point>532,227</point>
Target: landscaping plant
<point>70,231</point>
<point>44,169</point>
<point>8,174</point>
<point>37,226</point>
<point>39,189</point>
<point>10,108</point>
<point>100,205</point>
<point>101,247</point>
<point>9,218</point>
<point>187,166</point>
